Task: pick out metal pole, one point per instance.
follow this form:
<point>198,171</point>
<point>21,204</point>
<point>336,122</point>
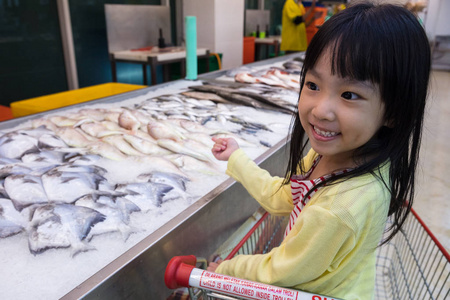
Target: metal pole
<point>67,41</point>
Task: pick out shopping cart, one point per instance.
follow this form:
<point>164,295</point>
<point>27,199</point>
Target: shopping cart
<point>413,265</point>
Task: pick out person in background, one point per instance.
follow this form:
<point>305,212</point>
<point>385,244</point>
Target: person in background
<point>294,21</point>
<point>416,8</point>
<point>362,117</point>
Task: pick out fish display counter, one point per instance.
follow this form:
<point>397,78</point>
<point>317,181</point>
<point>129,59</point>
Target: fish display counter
<point>97,197</point>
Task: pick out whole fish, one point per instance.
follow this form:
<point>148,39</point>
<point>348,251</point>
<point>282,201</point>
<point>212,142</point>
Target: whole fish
<point>143,134</point>
<point>118,142</point>
<point>276,105</point>
<point>116,219</point>
<point>51,141</point>
<point>244,100</point>
<point>62,226</point>
<point>63,121</point>
<point>205,96</point>
<point>203,138</point>
<point>35,132</point>
<point>242,69</point>
<point>84,159</point>
<point>44,122</point>
<point>194,127</point>
<point>11,221</point>
<point>209,88</point>
<point>158,163</point>
<point>249,124</point>
<point>177,182</point>
<point>199,105</point>
<point>14,169</point>
<point>146,196</point>
<point>160,130</point>
<point>81,168</point>
<point>72,137</point>
<point>190,164</point>
<point>128,121</point>
<point>25,190</point>
<point>16,144</point>
<point>168,98</point>
<point>111,126</point>
<point>93,129</point>
<point>268,80</point>
<point>97,114</point>
<point>9,228</point>
<point>44,156</point>
<point>145,146</point>
<point>66,187</point>
<point>179,148</point>
<point>112,115</point>
<point>142,116</point>
<point>105,150</point>
<point>116,200</point>
<point>199,147</point>
<point>242,142</point>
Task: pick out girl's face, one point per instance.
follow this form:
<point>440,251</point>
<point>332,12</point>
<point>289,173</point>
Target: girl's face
<point>338,114</point>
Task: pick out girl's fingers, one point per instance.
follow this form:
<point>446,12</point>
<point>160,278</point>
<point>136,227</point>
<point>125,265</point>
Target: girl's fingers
<point>218,147</point>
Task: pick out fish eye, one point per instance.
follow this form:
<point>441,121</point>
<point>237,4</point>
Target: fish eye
<point>349,96</point>
<point>312,86</point>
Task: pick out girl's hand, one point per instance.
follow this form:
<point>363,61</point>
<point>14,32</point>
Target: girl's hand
<point>223,148</point>
<point>213,265</point>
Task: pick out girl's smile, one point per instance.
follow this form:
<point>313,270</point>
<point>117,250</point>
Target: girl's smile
<point>324,134</point>
<point>338,114</point>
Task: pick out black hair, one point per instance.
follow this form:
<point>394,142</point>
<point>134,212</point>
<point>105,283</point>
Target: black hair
<point>386,45</point>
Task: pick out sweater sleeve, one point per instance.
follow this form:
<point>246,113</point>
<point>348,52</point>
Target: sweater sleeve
<point>309,251</point>
<point>260,184</point>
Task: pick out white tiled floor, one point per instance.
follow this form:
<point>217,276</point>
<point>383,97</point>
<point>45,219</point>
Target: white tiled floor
<point>432,201</point>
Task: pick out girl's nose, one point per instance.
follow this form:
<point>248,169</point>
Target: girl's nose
<point>323,108</point>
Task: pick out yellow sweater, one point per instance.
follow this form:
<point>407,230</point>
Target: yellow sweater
<point>293,37</point>
<point>331,248</point>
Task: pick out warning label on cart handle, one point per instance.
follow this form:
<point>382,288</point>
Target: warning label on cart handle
<point>249,289</point>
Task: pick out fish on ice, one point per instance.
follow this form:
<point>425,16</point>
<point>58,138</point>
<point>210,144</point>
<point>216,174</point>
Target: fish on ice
<point>25,190</point>
<point>11,221</point>
<point>116,217</point>
<point>66,187</point>
<point>62,226</point>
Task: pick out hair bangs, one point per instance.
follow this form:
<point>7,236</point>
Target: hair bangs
<point>356,47</point>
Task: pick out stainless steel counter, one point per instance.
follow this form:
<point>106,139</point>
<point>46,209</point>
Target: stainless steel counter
<point>200,229</point>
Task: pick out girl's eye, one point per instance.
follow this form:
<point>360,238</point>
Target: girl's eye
<point>349,96</point>
<point>312,86</point>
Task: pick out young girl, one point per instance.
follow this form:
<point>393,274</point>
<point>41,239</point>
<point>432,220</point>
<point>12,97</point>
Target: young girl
<point>363,89</point>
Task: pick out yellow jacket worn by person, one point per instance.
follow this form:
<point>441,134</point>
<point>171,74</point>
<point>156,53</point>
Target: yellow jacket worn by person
<point>293,36</point>
<point>331,248</point>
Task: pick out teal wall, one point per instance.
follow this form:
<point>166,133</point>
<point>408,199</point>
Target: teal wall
<point>31,54</point>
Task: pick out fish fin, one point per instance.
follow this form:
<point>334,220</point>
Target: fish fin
<point>126,231</point>
<point>82,246</point>
<point>161,191</point>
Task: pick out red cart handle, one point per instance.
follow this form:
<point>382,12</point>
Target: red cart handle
<point>179,270</point>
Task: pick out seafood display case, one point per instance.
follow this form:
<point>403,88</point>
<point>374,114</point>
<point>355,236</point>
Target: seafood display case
<point>199,228</point>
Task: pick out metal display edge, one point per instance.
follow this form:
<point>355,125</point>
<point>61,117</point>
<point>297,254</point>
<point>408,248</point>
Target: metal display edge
<point>128,276</point>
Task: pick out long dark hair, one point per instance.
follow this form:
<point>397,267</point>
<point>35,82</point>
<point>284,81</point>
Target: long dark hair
<point>386,45</point>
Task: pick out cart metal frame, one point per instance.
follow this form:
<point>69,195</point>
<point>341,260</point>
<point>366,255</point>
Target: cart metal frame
<point>413,265</point>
